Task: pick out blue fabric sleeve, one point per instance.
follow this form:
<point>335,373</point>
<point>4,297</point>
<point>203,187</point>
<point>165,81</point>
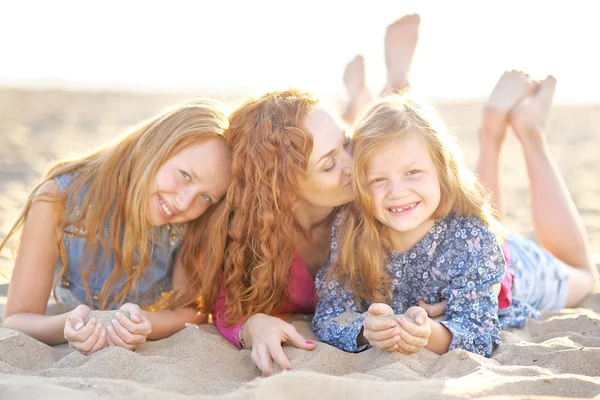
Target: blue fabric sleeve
<point>472,310</point>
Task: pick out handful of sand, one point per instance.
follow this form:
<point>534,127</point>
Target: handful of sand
<point>105,317</point>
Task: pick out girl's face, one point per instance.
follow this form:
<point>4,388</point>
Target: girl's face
<point>327,182</point>
<point>190,182</point>
<point>405,188</point>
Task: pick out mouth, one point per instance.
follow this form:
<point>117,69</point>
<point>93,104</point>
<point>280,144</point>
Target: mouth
<point>403,208</point>
<point>165,208</point>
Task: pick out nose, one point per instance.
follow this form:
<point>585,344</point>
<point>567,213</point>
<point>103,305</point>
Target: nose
<point>397,188</point>
<point>183,200</point>
<point>347,160</point>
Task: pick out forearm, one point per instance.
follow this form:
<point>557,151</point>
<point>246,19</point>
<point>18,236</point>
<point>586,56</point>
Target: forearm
<point>168,322</point>
<point>440,338</point>
<point>45,328</point>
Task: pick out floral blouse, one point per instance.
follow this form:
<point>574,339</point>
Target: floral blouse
<point>459,260</point>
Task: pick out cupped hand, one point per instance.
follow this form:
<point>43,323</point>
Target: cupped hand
<point>129,332</point>
<point>86,338</point>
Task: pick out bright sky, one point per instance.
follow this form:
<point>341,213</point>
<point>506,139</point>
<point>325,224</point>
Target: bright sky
<point>259,45</point>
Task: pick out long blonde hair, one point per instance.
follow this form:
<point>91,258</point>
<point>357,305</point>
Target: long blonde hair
<point>252,248</point>
<point>364,247</point>
<point>119,178</point>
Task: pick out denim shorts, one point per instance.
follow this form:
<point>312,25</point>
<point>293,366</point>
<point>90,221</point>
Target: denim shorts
<point>540,279</point>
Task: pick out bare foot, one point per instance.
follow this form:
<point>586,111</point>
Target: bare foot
<point>400,42</point>
<point>356,86</point>
<point>511,89</point>
<point>529,119</point>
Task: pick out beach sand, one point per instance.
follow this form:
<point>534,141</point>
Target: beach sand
<point>555,356</point>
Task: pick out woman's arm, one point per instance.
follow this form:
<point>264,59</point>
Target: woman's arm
<point>33,273</point>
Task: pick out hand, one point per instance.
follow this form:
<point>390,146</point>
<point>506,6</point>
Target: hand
<point>129,332</point>
<point>380,328</point>
<point>435,311</point>
<point>415,330</point>
<point>86,338</point>
<point>266,333</point>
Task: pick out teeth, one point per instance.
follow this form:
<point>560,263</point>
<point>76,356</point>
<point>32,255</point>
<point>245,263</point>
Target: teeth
<point>164,207</point>
<point>413,205</point>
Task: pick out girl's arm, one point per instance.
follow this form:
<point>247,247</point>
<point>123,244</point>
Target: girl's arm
<point>168,322</point>
<point>472,310</point>
<point>33,273</point>
<point>338,320</point>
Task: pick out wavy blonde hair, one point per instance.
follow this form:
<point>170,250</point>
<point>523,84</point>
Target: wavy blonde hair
<point>364,247</point>
<point>252,250</point>
<point>120,176</point>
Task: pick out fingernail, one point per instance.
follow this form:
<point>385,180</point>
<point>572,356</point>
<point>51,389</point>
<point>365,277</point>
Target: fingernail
<point>78,326</point>
<point>309,342</point>
<point>114,322</point>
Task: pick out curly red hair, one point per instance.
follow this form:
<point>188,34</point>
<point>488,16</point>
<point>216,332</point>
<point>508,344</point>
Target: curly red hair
<point>252,251</point>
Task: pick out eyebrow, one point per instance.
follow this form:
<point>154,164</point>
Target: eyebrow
<point>328,154</point>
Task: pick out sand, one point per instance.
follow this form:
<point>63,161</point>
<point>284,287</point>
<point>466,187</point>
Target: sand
<point>555,356</point>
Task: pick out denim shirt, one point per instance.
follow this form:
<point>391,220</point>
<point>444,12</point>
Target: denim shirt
<point>157,278</point>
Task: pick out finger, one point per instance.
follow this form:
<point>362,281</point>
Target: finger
<point>409,341</point>
<point>100,343</point>
<point>388,343</point>
<point>89,343</point>
<point>76,322</point>
<point>279,356</point>
<point>116,339</point>
<point>80,335</point>
<point>380,309</point>
<point>140,328</point>
<point>134,311</point>
<point>392,348</point>
<point>126,335</point>
<point>408,348</point>
<point>379,336</point>
<point>418,314</point>
<point>421,331</point>
<point>294,337</point>
<point>266,362</point>
<point>378,324</point>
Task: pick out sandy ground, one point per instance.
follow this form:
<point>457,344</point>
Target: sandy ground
<point>555,356</point>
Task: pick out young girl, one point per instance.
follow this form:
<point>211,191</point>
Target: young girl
<point>103,231</point>
<point>420,230</point>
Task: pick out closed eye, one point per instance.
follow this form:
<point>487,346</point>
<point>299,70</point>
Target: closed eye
<point>333,163</point>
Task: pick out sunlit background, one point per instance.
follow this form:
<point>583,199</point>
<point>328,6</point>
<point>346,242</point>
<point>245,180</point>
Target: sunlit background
<point>251,46</point>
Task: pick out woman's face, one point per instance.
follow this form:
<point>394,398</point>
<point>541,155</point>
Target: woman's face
<point>327,182</point>
<point>190,182</point>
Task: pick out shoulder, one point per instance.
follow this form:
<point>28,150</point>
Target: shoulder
<point>49,189</point>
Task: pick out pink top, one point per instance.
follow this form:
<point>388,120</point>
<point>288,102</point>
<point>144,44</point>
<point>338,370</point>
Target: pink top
<point>302,297</point>
<point>301,300</point>
<point>505,295</point>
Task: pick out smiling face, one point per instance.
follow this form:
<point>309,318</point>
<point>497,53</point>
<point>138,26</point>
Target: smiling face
<point>189,182</point>
<point>327,181</point>
<point>405,188</point>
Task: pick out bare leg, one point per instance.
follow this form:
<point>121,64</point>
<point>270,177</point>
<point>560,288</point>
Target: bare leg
<point>557,223</point>
<point>511,89</point>
<point>400,41</point>
<point>356,86</point>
